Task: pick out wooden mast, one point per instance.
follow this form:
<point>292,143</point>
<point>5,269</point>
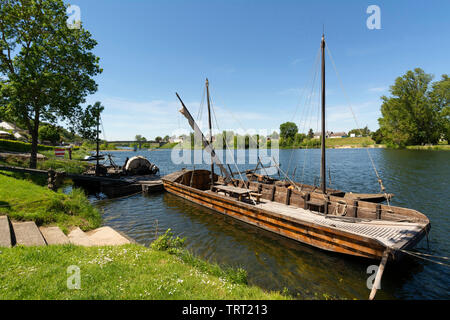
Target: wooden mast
<point>210,131</point>
<point>98,148</point>
<point>323,171</point>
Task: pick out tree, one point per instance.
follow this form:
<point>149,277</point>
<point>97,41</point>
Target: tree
<point>140,138</point>
<point>410,116</point>
<point>288,130</point>
<point>89,121</point>
<point>440,96</point>
<point>377,136</point>
<point>299,137</point>
<point>49,133</point>
<point>46,68</point>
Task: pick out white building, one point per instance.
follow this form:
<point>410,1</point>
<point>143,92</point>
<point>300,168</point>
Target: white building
<point>8,127</point>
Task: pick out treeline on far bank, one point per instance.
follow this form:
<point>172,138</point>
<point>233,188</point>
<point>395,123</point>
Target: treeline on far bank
<point>417,113</point>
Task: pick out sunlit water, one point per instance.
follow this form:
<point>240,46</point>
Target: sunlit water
<point>419,180</point>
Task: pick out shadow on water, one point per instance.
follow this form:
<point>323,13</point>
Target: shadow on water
<point>274,262</point>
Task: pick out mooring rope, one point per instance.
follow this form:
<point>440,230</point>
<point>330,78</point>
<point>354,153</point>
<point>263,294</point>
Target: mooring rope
<point>420,255</point>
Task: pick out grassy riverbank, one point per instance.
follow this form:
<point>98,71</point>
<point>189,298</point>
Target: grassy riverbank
<point>23,198</point>
<point>125,272</point>
<point>439,147</point>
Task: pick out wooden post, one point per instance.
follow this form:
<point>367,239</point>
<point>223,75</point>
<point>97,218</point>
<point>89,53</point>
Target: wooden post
<point>273,193</point>
<point>355,208</point>
<point>51,182</point>
<point>288,196</point>
<point>378,211</point>
<point>306,199</point>
<point>260,187</point>
<point>377,281</point>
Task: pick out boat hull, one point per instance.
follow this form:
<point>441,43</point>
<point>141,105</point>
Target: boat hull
<point>308,233</point>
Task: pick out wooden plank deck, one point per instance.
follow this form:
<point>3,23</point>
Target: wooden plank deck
<point>391,234</point>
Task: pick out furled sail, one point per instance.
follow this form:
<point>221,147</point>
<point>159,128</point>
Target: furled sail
<point>198,134</point>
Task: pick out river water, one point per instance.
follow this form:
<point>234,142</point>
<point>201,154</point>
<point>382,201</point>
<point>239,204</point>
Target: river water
<point>419,180</point>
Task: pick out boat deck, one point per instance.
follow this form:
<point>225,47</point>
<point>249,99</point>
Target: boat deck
<point>391,234</point>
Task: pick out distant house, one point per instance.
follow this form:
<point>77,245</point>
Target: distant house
<point>337,135</point>
<point>16,132</point>
<point>330,135</point>
<point>5,135</point>
<point>174,139</point>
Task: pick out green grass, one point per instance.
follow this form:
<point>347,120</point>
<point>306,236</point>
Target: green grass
<point>125,272</point>
<point>352,142</point>
<point>439,147</point>
<point>25,200</point>
<point>169,145</point>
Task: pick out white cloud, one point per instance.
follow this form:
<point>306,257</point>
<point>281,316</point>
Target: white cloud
<point>378,89</point>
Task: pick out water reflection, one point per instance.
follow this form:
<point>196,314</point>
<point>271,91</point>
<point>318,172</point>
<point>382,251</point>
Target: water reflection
<point>274,262</point>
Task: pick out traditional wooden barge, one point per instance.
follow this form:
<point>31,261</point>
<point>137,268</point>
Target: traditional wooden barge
<point>351,227</point>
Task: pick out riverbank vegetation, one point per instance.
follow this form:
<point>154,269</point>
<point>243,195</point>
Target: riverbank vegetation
<point>124,272</point>
<point>26,197</point>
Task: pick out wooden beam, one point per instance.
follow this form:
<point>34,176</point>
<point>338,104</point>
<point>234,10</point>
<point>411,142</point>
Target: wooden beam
<point>377,282</point>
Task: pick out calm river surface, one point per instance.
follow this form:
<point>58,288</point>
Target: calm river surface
<point>419,180</point>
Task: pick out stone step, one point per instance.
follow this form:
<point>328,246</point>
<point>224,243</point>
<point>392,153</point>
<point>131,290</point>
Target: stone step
<point>28,234</point>
<point>54,236</point>
<point>5,232</point>
<point>79,238</point>
<point>106,236</point>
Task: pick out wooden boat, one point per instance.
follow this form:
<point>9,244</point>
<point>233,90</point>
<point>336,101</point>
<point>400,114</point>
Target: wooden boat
<point>327,219</point>
<point>331,223</point>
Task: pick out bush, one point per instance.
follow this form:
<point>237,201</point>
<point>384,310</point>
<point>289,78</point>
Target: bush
<point>167,242</point>
<point>19,146</point>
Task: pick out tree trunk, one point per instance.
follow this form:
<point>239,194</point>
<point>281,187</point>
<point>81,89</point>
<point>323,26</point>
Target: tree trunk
<point>34,141</point>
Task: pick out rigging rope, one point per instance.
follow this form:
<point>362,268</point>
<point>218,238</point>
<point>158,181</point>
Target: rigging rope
<point>383,189</point>
<point>228,149</point>
<point>309,83</point>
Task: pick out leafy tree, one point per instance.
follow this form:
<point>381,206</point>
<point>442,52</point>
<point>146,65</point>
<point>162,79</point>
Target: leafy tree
<point>377,136</point>
<point>299,137</point>
<point>410,117</point>
<point>46,68</point>
<point>288,130</point>
<point>89,120</point>
<point>440,96</point>
<point>49,133</point>
<point>140,138</point>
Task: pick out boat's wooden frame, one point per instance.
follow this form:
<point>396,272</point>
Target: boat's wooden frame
<point>369,197</point>
<point>328,238</point>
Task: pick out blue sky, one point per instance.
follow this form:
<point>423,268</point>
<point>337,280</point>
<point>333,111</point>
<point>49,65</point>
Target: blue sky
<point>259,57</point>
